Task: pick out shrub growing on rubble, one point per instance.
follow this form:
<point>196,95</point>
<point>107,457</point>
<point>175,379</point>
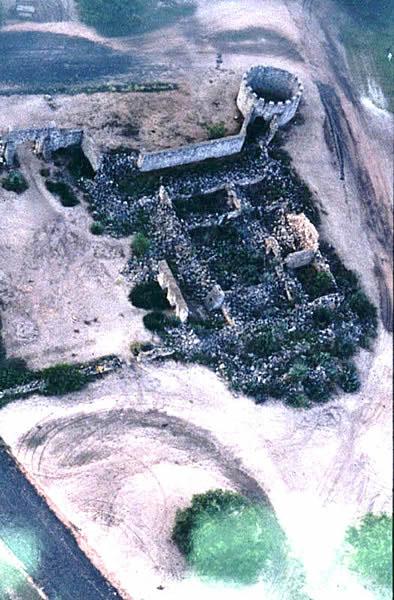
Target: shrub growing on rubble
<point>148,295</point>
<point>62,378</point>
<point>15,182</point>
<point>157,321</point>
<point>140,244</point>
<point>97,228</point>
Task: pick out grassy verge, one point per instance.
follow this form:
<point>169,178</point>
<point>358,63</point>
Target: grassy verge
<point>119,18</point>
<point>70,90</point>
<point>367,42</point>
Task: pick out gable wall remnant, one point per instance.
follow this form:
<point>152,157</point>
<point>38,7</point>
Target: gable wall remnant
<point>167,283</point>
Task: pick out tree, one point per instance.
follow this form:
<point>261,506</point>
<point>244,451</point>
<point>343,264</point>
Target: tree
<point>62,379</point>
<point>370,551</point>
<point>225,537</point>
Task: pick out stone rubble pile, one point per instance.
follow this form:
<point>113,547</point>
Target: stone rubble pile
<point>234,236</point>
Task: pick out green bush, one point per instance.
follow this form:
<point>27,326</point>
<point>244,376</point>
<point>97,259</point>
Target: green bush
<point>14,372</point>
<point>361,305</point>
<point>140,244</point>
<point>344,347</point>
<point>15,182</point>
<point>371,548</point>
<point>298,371</point>
<point>264,342</point>
<point>157,321</point>
<point>45,172</point>
<point>61,189</point>
<point>315,283</point>
<point>347,377</point>
<point>148,295</point>
<point>225,537</point>
<point>97,228</point>
<point>62,379</point>
<point>216,131</point>
<point>322,317</point>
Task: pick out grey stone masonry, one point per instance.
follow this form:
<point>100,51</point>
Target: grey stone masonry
<point>47,140</point>
<point>266,91</point>
<point>151,161</point>
<point>294,260</point>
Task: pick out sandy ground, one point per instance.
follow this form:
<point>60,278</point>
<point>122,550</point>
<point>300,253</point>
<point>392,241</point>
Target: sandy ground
<point>62,292</point>
<point>119,458</point>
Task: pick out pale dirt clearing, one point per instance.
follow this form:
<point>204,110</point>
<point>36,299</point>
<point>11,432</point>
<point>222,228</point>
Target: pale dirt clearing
<point>62,292</point>
<point>120,457</point>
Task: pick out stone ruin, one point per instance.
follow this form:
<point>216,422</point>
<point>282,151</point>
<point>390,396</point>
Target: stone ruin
<point>47,140</point>
<point>265,93</point>
<point>268,93</point>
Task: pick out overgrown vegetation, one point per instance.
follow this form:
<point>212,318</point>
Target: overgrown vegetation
<point>158,321</point>
<point>216,130</point>
<point>294,332</point>
<point>140,244</point>
<point>63,191</point>
<point>120,17</point>
<point>62,379</point>
<point>149,295</point>
<point>17,380</point>
<point>225,537</point>
<point>92,88</point>
<point>15,182</point>
<point>370,553</point>
<point>97,228</point>
<point>368,38</point>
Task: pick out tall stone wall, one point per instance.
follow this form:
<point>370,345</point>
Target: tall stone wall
<point>151,161</point>
<point>167,282</point>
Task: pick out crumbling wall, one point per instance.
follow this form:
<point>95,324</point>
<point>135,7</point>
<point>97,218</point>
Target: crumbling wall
<point>47,140</point>
<point>167,283</point>
<point>91,151</point>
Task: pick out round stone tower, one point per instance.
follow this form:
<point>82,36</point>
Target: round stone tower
<point>266,91</point>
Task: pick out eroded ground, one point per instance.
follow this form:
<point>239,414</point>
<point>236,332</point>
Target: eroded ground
<point>120,457</point>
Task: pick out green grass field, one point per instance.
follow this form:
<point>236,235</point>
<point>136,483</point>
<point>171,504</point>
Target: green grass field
<point>367,41</point>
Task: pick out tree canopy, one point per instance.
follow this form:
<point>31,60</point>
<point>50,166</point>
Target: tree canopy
<point>371,548</point>
<point>225,537</point>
